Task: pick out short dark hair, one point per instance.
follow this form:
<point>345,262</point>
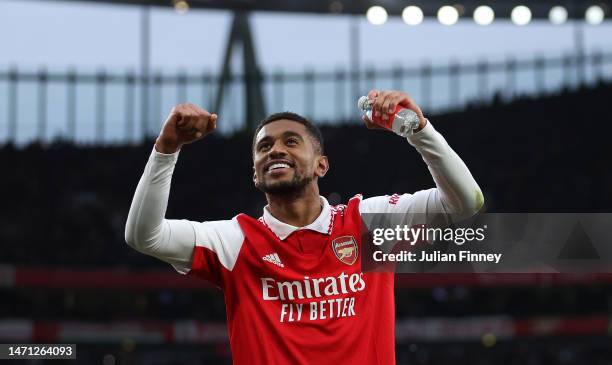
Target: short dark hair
<point>312,129</point>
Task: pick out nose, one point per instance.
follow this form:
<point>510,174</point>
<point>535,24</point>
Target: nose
<point>277,149</point>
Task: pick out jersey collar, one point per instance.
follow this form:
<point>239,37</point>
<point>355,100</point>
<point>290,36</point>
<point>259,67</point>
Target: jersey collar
<point>283,230</point>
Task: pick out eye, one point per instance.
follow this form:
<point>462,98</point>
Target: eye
<point>263,146</point>
<point>292,141</point>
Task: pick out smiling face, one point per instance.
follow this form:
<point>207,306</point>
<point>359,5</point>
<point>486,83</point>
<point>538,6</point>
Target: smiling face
<point>286,159</point>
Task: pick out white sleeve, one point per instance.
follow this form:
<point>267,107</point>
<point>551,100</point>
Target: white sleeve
<point>170,240</point>
<point>456,191</point>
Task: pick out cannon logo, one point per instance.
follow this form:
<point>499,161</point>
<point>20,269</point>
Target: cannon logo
<point>346,250</point>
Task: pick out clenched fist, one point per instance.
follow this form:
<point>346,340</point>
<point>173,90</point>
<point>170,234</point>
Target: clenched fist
<point>185,124</point>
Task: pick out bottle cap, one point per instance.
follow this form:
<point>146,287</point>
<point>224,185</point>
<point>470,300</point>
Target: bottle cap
<point>363,103</point>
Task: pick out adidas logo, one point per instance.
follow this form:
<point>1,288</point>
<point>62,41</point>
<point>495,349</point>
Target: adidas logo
<point>273,258</point>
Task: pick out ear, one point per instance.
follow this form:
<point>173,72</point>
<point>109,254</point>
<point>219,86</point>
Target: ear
<point>254,176</point>
<point>322,166</point>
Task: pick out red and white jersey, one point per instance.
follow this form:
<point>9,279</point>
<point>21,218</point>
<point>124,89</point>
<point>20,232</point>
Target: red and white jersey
<point>297,295</point>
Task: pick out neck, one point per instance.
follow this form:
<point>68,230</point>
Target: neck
<point>298,209</point>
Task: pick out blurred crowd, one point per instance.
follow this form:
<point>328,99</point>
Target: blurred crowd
<point>94,304</point>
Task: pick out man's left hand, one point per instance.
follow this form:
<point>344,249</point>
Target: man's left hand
<point>384,103</point>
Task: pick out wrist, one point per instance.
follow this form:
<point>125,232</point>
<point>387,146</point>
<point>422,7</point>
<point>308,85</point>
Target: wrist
<point>165,147</point>
<point>422,124</point>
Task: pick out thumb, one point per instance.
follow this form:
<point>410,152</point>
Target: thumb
<point>212,125</point>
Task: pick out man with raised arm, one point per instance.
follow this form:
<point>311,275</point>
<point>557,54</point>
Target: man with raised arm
<point>294,288</point>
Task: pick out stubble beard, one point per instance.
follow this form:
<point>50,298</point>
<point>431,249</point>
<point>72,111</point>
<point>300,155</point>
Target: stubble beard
<point>286,188</point>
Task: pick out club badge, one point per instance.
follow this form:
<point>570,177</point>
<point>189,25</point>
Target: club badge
<point>346,250</point>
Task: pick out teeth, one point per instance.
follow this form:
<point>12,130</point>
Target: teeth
<point>278,166</point>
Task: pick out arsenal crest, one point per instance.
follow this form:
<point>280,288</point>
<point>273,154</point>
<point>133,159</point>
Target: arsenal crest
<point>345,249</point>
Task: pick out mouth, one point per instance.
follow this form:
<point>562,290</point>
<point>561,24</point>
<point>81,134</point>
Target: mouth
<point>277,167</point>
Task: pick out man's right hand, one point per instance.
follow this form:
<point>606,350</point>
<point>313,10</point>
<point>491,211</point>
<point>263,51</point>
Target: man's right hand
<point>186,123</point>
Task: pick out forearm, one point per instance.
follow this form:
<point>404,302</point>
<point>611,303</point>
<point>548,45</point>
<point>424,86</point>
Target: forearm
<point>458,191</point>
<point>146,229</point>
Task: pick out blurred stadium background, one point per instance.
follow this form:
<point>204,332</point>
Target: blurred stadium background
<point>533,128</point>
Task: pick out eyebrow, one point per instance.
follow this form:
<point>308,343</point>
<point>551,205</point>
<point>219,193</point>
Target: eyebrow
<point>292,134</point>
<point>284,135</point>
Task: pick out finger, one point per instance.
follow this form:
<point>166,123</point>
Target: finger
<point>377,105</point>
<point>207,121</point>
<point>202,126</point>
<point>197,111</point>
<point>204,121</point>
<point>407,102</point>
<point>386,106</point>
<point>198,118</point>
<point>395,101</point>
<point>180,119</point>
<point>392,104</point>
<point>194,118</point>
<point>197,123</point>
<point>187,114</point>
<point>193,112</point>
<point>187,125</point>
<point>182,114</point>
<point>373,94</point>
<point>213,123</point>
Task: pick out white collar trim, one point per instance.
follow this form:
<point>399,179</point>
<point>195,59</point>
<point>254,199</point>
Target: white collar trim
<point>283,230</point>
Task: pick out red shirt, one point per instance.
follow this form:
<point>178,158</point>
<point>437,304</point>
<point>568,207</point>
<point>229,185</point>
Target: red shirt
<point>302,298</point>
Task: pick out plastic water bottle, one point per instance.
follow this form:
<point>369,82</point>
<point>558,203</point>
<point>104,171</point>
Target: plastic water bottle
<point>403,121</point>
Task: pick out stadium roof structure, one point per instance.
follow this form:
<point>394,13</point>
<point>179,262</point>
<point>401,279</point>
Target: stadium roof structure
<point>240,31</point>
<point>503,8</point>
